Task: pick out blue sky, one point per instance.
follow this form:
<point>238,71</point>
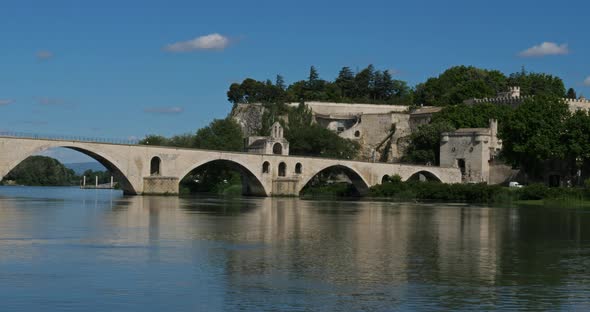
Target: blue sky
<point>126,68</point>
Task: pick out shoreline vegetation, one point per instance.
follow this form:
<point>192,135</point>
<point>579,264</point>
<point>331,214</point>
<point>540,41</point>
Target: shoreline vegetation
<point>394,189</point>
<point>47,171</point>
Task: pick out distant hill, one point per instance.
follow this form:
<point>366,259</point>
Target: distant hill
<point>79,168</point>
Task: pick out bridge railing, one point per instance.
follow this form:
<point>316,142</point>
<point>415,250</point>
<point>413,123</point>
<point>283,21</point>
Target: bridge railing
<point>74,138</point>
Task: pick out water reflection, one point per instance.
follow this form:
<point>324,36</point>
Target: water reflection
<point>99,250</point>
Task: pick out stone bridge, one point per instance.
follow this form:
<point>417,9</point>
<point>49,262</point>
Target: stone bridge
<point>143,169</point>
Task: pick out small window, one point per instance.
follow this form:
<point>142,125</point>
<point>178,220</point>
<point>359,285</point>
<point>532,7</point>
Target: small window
<point>298,169</point>
<point>282,169</point>
<point>266,167</point>
<point>277,149</point>
<point>155,166</point>
<point>357,133</point>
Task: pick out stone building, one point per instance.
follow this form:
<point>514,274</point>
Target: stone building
<point>473,150</point>
<point>273,144</point>
<point>379,129</point>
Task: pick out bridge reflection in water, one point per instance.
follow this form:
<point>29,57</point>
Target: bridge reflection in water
<point>265,253</point>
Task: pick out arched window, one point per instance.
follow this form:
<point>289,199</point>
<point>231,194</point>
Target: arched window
<point>298,168</point>
<point>282,169</point>
<point>155,166</point>
<point>266,167</point>
<point>277,149</point>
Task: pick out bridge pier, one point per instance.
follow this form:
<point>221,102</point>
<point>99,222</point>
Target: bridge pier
<point>158,185</point>
<point>285,187</point>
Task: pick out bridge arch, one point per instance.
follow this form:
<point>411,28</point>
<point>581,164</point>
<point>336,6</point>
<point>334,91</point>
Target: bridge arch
<point>359,182</point>
<point>108,162</point>
<point>251,184</point>
<point>424,175</point>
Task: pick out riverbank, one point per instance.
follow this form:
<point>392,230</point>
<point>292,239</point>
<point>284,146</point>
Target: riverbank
<point>396,189</point>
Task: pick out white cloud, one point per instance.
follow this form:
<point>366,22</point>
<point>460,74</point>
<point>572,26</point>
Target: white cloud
<point>209,42</point>
<point>44,55</point>
<point>164,110</point>
<point>546,48</point>
<point>6,101</point>
<point>587,81</point>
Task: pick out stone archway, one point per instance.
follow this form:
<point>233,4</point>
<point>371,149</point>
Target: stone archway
<point>111,165</point>
<point>359,183</point>
<point>251,185</point>
<point>423,176</point>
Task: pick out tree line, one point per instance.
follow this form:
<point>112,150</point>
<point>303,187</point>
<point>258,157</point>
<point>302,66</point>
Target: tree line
<point>47,171</point>
<point>365,86</point>
<point>369,85</point>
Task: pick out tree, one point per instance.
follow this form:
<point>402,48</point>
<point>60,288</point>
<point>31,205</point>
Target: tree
<point>424,145</point>
<point>537,84</point>
<point>280,82</point>
<point>42,171</point>
<point>472,116</point>
<point>313,79</point>
<point>220,134</point>
<point>533,133</point>
<point>310,139</point>
<point>186,140</point>
<point>364,83</point>
<point>576,138</point>
<point>571,94</point>
<point>235,94</point>
<point>153,139</point>
<point>345,81</point>
<point>460,83</point>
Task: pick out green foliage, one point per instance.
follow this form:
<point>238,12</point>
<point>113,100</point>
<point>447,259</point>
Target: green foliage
<point>537,84</point>
<point>571,94</point>
<point>473,193</point>
<point>153,139</point>
<point>215,177</point>
<point>103,176</point>
<point>367,86</point>
<point>460,83</point>
<point>310,139</point>
<point>42,171</point>
<point>220,134</point>
<point>424,145</point>
<point>183,140</point>
<point>533,132</point>
<point>472,116</point>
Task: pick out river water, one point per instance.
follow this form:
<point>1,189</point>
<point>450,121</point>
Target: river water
<point>96,250</point>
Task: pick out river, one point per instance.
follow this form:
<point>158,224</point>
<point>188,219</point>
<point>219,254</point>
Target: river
<point>96,250</point>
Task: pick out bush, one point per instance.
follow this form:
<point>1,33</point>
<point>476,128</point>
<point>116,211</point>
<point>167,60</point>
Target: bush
<point>393,187</point>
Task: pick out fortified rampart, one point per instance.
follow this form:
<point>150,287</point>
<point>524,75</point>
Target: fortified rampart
<point>514,99</point>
